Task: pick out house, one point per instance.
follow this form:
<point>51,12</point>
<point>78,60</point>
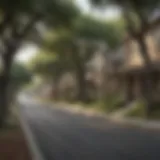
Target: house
<point>130,67</point>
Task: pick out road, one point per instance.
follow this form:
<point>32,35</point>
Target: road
<point>63,135</point>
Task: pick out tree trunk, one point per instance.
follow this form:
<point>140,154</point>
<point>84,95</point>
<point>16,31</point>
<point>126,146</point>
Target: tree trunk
<point>79,64</point>
<point>82,92</point>
<point>5,22</point>
<point>7,57</point>
<point>130,88</point>
<point>3,102</point>
<point>4,82</point>
<point>55,89</point>
<point>140,38</point>
<point>81,81</point>
<point>148,81</point>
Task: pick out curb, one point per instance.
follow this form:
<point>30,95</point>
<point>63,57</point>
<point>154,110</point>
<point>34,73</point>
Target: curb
<point>33,147</point>
<point>146,124</point>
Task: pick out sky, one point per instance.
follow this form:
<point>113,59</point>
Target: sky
<point>28,51</point>
<point>107,14</point>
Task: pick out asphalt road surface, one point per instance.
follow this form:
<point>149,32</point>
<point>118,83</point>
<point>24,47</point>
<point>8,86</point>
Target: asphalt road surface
<point>62,135</point>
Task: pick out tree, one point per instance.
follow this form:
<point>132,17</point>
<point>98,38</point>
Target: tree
<point>76,47</point>
<point>17,21</point>
<point>111,32</point>
<point>141,12</point>
<point>136,14</point>
<point>50,66</point>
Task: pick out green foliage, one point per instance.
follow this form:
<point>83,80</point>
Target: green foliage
<point>93,29</point>
<point>18,18</point>
<point>20,75</point>
<point>44,7</point>
<point>58,42</point>
<point>18,14</point>
<point>137,13</point>
<point>147,6</point>
<point>88,29</point>
<point>139,111</point>
<point>16,5</point>
<point>48,65</point>
<point>111,103</point>
<point>155,115</point>
<point>70,50</point>
<point>62,12</point>
<point>144,6</point>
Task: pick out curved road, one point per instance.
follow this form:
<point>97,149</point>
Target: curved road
<point>62,135</point>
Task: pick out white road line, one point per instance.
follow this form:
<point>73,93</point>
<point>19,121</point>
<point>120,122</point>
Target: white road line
<point>35,152</point>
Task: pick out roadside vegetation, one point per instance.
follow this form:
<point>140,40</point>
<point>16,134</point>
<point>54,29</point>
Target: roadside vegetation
<point>82,57</point>
<point>140,112</point>
<point>90,63</point>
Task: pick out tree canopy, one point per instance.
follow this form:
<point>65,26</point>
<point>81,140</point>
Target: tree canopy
<point>88,29</point>
<point>111,32</point>
<point>62,50</point>
<point>143,9</point>
<point>70,50</point>
<point>49,66</point>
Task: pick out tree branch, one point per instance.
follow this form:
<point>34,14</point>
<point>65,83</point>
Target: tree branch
<point>5,22</point>
<point>16,37</point>
<point>15,41</point>
<point>29,25</point>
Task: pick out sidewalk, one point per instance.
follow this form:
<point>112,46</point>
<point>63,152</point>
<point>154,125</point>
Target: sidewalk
<point>13,145</point>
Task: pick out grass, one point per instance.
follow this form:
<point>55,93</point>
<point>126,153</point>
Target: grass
<point>155,115</point>
<point>140,112</point>
<point>107,105</point>
<point>110,104</point>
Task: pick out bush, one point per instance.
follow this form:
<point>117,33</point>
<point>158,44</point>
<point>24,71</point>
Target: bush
<point>110,103</point>
<point>139,111</point>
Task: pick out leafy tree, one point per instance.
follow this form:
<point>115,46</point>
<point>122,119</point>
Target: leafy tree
<point>17,21</point>
<point>111,32</point>
<point>134,12</point>
<point>76,47</point>
<point>20,76</point>
<point>49,66</point>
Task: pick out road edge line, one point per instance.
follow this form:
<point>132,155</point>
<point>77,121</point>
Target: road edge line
<point>33,147</point>
<point>146,124</point>
<point>137,122</point>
